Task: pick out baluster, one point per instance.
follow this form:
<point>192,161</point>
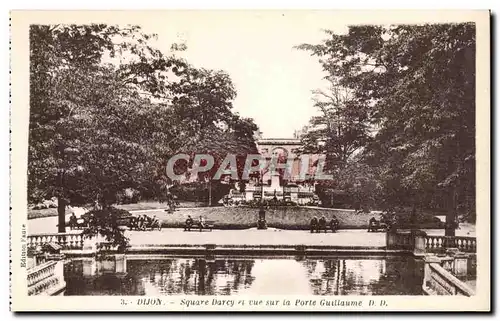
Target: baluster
<point>74,243</point>
<point>64,240</point>
<point>69,241</point>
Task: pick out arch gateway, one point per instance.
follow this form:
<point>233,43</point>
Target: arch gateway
<point>296,186</point>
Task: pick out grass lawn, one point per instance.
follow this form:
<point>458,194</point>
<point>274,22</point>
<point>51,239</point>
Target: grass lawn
<point>149,205</point>
<point>292,218</point>
<point>47,212</point>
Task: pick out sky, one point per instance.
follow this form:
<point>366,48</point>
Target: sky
<point>272,79</point>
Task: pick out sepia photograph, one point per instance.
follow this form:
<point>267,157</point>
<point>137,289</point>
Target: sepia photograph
<point>232,160</point>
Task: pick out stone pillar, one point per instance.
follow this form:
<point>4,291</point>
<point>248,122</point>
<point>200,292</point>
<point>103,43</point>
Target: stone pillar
<point>89,267</point>
<point>391,240</point>
<point>419,245</point>
<point>261,222</point>
<point>427,269</point>
<point>59,270</point>
<point>418,240</point>
<point>275,183</point>
<point>120,264</point>
<point>460,264</point>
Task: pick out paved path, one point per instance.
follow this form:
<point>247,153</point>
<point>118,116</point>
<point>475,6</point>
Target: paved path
<point>357,238</point>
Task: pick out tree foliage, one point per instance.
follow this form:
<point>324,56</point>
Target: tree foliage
<point>418,85</point>
<point>107,110</point>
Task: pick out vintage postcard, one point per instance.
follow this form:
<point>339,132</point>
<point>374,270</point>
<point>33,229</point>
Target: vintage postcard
<point>256,160</point>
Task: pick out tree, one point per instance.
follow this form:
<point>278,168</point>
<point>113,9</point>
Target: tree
<point>342,128</point>
<point>107,111</point>
<point>419,82</point>
<point>73,97</point>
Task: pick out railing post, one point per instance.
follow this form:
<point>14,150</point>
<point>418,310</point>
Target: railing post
<point>427,270</point>
<point>391,240</point>
<point>460,264</point>
<point>419,243</point>
<point>120,264</point>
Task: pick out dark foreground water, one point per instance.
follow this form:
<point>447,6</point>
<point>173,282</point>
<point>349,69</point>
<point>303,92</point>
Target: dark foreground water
<point>226,276</point>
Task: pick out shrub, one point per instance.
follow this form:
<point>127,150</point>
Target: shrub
<point>105,222</point>
<point>128,196</point>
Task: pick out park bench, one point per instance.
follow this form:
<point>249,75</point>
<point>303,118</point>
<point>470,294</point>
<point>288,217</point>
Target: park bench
<point>375,226</point>
<point>207,225</point>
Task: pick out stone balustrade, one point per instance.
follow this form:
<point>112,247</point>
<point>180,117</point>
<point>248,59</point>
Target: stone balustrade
<point>439,281</point>
<point>420,243</point>
<point>399,241</point>
<point>66,240</point>
<point>46,278</point>
<point>434,243</point>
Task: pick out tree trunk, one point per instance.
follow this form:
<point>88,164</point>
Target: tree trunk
<point>210,193</point>
<point>413,218</point>
<point>61,214</point>
<point>451,215</point>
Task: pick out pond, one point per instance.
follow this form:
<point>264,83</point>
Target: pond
<point>153,276</point>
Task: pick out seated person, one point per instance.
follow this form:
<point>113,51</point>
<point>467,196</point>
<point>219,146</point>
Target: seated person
<point>189,222</point>
<point>334,223</point>
<point>201,222</point>
<point>132,222</point>
<point>372,224</point>
<point>322,223</point>
<point>314,224</point>
<point>72,221</point>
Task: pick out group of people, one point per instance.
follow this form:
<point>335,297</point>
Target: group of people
<point>318,225</point>
<point>387,220</point>
<point>190,223</point>
<point>73,222</point>
<point>143,222</point>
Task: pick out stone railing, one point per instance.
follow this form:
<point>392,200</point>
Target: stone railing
<point>435,243</point>
<point>438,281</point>
<point>420,243</point>
<point>406,241</point>
<point>400,241</point>
<point>66,240</point>
<point>46,278</point>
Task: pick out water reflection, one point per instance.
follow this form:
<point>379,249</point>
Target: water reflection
<point>387,276</point>
<point>226,276</point>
